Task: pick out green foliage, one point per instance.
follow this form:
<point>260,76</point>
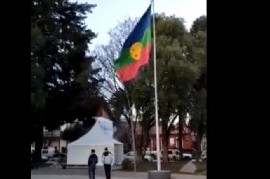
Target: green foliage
<point>198,25</point>
<point>61,69</point>
<point>197,98</point>
<point>198,95</point>
<point>63,80</point>
<point>175,73</point>
<point>73,133</point>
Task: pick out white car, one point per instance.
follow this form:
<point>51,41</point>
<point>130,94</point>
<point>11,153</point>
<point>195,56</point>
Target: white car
<point>149,157</point>
<point>188,154</point>
<point>130,156</point>
<point>43,157</point>
<point>173,154</point>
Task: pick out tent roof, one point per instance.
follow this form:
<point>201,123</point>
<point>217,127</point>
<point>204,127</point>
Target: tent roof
<point>96,136</point>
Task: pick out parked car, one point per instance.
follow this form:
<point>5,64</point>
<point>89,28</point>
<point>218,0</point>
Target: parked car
<point>48,152</point>
<point>146,157</point>
<point>173,154</point>
<point>44,158</point>
<point>188,154</point>
<point>129,156</point>
<point>149,157</point>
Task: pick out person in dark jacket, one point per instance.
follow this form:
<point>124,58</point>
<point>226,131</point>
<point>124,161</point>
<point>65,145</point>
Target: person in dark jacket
<point>92,161</point>
<point>107,160</point>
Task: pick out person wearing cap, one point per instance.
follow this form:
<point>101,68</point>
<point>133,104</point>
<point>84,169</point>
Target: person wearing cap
<point>92,161</point>
<point>107,160</point>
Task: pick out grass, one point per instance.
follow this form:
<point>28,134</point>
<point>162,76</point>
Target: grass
<point>174,167</point>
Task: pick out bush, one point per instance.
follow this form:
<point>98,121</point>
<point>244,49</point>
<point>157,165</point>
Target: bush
<point>127,164</point>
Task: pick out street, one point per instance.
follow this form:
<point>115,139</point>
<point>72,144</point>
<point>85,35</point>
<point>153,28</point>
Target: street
<point>58,173</point>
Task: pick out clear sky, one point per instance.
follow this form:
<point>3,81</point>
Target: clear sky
<point>108,13</point>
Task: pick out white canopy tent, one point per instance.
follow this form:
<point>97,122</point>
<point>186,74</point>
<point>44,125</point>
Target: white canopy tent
<point>97,138</point>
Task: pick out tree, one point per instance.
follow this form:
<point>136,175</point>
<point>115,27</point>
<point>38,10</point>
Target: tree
<point>198,119</point>
<point>119,95</point>
<point>175,75</point>
<point>61,71</point>
<point>106,54</point>
<point>143,98</point>
<point>198,25</point>
<point>74,132</point>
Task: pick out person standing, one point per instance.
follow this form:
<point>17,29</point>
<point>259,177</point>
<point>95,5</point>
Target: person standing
<point>92,161</point>
<point>56,151</point>
<point>107,160</point>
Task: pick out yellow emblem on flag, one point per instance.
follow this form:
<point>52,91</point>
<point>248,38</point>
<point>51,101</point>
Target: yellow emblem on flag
<point>135,50</point>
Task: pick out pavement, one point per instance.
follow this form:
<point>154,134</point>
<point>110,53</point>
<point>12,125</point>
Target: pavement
<point>77,173</point>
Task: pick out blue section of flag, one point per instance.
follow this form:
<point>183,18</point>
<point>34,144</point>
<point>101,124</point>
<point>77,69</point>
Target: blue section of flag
<point>139,29</point>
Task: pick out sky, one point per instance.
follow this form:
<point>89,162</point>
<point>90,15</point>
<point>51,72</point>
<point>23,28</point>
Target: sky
<point>108,13</point>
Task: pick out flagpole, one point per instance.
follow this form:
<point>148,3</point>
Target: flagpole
<point>156,100</point>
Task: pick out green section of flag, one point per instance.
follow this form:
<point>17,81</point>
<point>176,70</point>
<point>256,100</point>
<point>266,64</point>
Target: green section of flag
<point>125,58</point>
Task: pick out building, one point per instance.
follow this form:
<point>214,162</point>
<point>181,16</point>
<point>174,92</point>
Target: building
<point>53,139</point>
<point>188,138</point>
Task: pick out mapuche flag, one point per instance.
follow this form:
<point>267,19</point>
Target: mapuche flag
<point>136,49</point>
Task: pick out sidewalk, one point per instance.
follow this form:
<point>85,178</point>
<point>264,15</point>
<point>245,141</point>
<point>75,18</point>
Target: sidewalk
<point>82,173</point>
<point>116,175</point>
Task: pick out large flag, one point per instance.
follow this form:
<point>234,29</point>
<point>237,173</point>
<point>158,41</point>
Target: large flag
<point>136,49</point>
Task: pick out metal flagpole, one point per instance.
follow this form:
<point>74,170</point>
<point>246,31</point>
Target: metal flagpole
<point>156,100</point>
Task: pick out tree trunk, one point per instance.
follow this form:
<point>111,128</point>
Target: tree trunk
<point>165,138</point>
<point>200,132</point>
<point>141,144</point>
<point>198,136</point>
<point>180,135</point>
<point>141,140</point>
<point>145,137</point>
<point>198,148</point>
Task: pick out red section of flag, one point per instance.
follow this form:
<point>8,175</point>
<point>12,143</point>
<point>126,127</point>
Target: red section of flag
<point>129,72</point>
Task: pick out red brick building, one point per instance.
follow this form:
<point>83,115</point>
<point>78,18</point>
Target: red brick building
<point>188,138</point>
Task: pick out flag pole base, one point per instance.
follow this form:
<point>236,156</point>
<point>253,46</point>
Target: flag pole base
<point>159,174</point>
